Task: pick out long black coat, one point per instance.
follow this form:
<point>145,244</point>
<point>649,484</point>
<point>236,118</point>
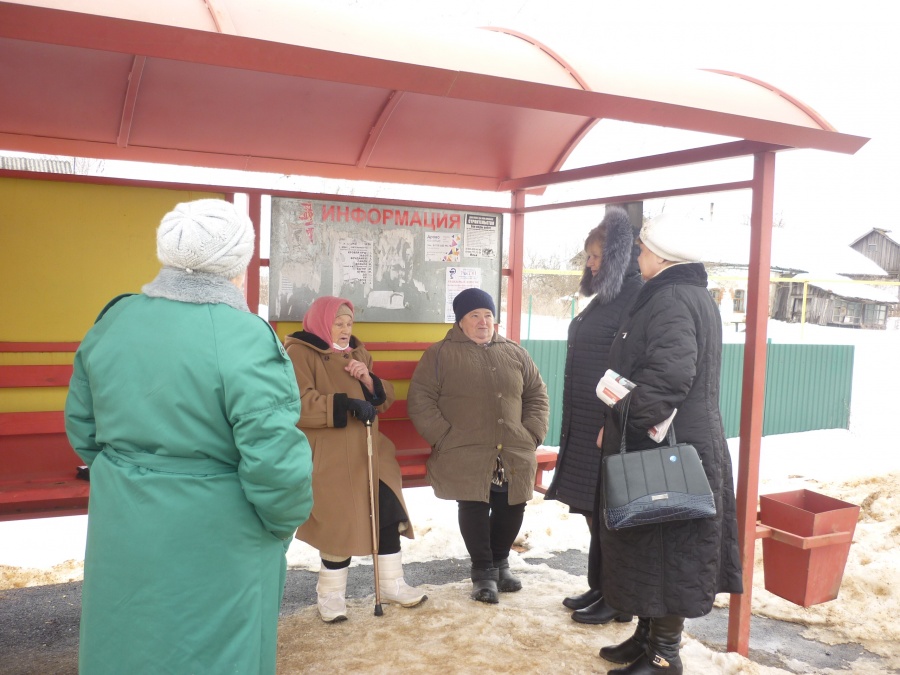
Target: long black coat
<point>591,334</point>
<point>670,346</point>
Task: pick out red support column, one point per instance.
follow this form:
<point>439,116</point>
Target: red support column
<point>753,392</point>
<point>516,256</point>
<point>251,284</point>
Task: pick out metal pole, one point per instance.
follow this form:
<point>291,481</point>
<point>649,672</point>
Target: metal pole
<point>372,516</point>
<point>753,393</point>
<point>530,298</point>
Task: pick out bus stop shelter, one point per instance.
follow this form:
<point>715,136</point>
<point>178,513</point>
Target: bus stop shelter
<point>292,88</point>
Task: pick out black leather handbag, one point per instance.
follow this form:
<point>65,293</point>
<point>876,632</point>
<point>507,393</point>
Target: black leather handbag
<point>654,486</point>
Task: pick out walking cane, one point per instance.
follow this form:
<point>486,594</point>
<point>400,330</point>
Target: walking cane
<point>378,610</point>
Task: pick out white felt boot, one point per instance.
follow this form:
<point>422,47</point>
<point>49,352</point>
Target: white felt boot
<point>331,591</point>
<point>392,585</point>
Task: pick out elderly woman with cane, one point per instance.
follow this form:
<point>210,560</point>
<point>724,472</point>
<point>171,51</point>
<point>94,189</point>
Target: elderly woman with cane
<point>340,397</point>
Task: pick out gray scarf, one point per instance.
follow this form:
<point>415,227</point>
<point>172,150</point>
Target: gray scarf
<point>199,288</point>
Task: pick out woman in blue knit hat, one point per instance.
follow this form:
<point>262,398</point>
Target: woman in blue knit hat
<point>479,401</point>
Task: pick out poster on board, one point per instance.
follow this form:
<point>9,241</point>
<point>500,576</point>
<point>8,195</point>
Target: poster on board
<point>394,263</point>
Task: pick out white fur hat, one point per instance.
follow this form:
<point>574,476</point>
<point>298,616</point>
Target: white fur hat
<point>675,238</point>
<point>206,235</point>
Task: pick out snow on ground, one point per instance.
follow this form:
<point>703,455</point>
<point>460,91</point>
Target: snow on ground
<point>530,631</point>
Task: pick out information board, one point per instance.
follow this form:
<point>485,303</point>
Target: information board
<point>394,263</point>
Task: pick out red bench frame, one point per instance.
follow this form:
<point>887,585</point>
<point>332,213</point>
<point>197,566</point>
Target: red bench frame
<point>38,466</point>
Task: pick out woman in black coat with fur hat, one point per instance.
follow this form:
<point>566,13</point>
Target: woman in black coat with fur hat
<point>612,276</point>
<point>670,346</point>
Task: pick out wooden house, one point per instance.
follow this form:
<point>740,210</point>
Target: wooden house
<point>835,301</point>
<point>883,247</point>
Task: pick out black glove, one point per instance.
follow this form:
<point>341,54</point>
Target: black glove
<point>362,410</point>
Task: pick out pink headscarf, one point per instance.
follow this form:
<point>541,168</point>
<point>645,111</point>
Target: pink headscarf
<point>321,314</point>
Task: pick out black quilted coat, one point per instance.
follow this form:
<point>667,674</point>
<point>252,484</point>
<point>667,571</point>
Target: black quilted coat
<point>591,334</point>
<point>670,346</point>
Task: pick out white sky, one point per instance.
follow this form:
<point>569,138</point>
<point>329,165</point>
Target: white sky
<point>840,58</point>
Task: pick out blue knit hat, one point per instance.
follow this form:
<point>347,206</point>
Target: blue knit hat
<point>471,299</point>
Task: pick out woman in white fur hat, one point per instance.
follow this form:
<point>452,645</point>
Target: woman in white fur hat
<point>670,345</point>
<point>184,406</point>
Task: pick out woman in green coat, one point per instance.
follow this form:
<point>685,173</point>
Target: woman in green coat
<point>184,405</point>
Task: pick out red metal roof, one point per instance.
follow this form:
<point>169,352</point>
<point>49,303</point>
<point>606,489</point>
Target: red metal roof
<point>289,87</point>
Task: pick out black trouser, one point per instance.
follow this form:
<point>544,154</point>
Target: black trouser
<point>489,530</point>
<point>595,566</point>
<point>391,514</point>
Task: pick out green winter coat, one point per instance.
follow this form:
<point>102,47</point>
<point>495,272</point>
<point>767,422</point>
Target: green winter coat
<point>473,403</point>
<point>186,414</point>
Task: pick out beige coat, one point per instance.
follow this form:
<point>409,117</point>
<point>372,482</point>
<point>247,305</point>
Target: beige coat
<point>472,403</point>
<point>340,524</point>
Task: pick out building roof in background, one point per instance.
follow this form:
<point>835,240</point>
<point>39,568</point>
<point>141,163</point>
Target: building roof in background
<point>847,288</point>
<point>791,252</point>
<point>298,87</point>
<point>888,234</point>
<point>39,164</point>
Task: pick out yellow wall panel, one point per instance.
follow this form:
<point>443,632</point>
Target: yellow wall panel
<point>68,248</point>
<point>32,399</point>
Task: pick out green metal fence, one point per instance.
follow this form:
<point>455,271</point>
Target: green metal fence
<point>807,386</point>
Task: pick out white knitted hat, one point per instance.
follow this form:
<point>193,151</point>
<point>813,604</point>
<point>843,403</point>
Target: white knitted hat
<point>206,235</point>
<point>675,238</point>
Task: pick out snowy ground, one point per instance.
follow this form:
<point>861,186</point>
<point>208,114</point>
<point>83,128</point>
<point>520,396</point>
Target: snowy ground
<point>530,631</point>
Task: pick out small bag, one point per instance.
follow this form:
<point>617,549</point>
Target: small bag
<point>655,486</point>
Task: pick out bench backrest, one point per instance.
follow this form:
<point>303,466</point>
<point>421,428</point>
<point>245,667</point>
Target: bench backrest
<point>38,468</point>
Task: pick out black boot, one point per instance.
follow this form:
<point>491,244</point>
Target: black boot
<point>632,648</point>
<point>507,582</point>
<point>661,654</point>
<point>484,585</point>
<point>586,599</point>
<point>600,613</point>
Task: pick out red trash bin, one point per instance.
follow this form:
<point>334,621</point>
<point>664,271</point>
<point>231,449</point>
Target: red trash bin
<point>806,550</point>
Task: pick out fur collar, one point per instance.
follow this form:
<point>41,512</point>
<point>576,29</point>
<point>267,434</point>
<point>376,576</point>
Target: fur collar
<point>198,288</point>
<point>619,259</point>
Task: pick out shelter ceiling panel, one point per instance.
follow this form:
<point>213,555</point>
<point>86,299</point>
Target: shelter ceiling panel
<point>168,12</point>
<point>69,92</point>
<point>432,133</point>
<point>703,89</point>
<point>293,86</point>
<point>204,108</point>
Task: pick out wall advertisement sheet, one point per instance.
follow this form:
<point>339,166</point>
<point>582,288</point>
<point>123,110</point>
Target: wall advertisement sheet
<point>394,263</point>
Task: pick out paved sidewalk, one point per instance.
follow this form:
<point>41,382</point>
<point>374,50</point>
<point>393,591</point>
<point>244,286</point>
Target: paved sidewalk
<point>39,625</point>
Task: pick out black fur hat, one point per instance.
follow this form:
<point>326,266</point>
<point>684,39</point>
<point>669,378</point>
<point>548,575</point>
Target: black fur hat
<point>619,253</point>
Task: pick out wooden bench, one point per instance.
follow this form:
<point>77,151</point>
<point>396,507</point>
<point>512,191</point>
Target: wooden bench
<point>39,470</point>
<point>412,449</point>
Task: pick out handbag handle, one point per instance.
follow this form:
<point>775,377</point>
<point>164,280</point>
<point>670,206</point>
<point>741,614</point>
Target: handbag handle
<point>670,436</point>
